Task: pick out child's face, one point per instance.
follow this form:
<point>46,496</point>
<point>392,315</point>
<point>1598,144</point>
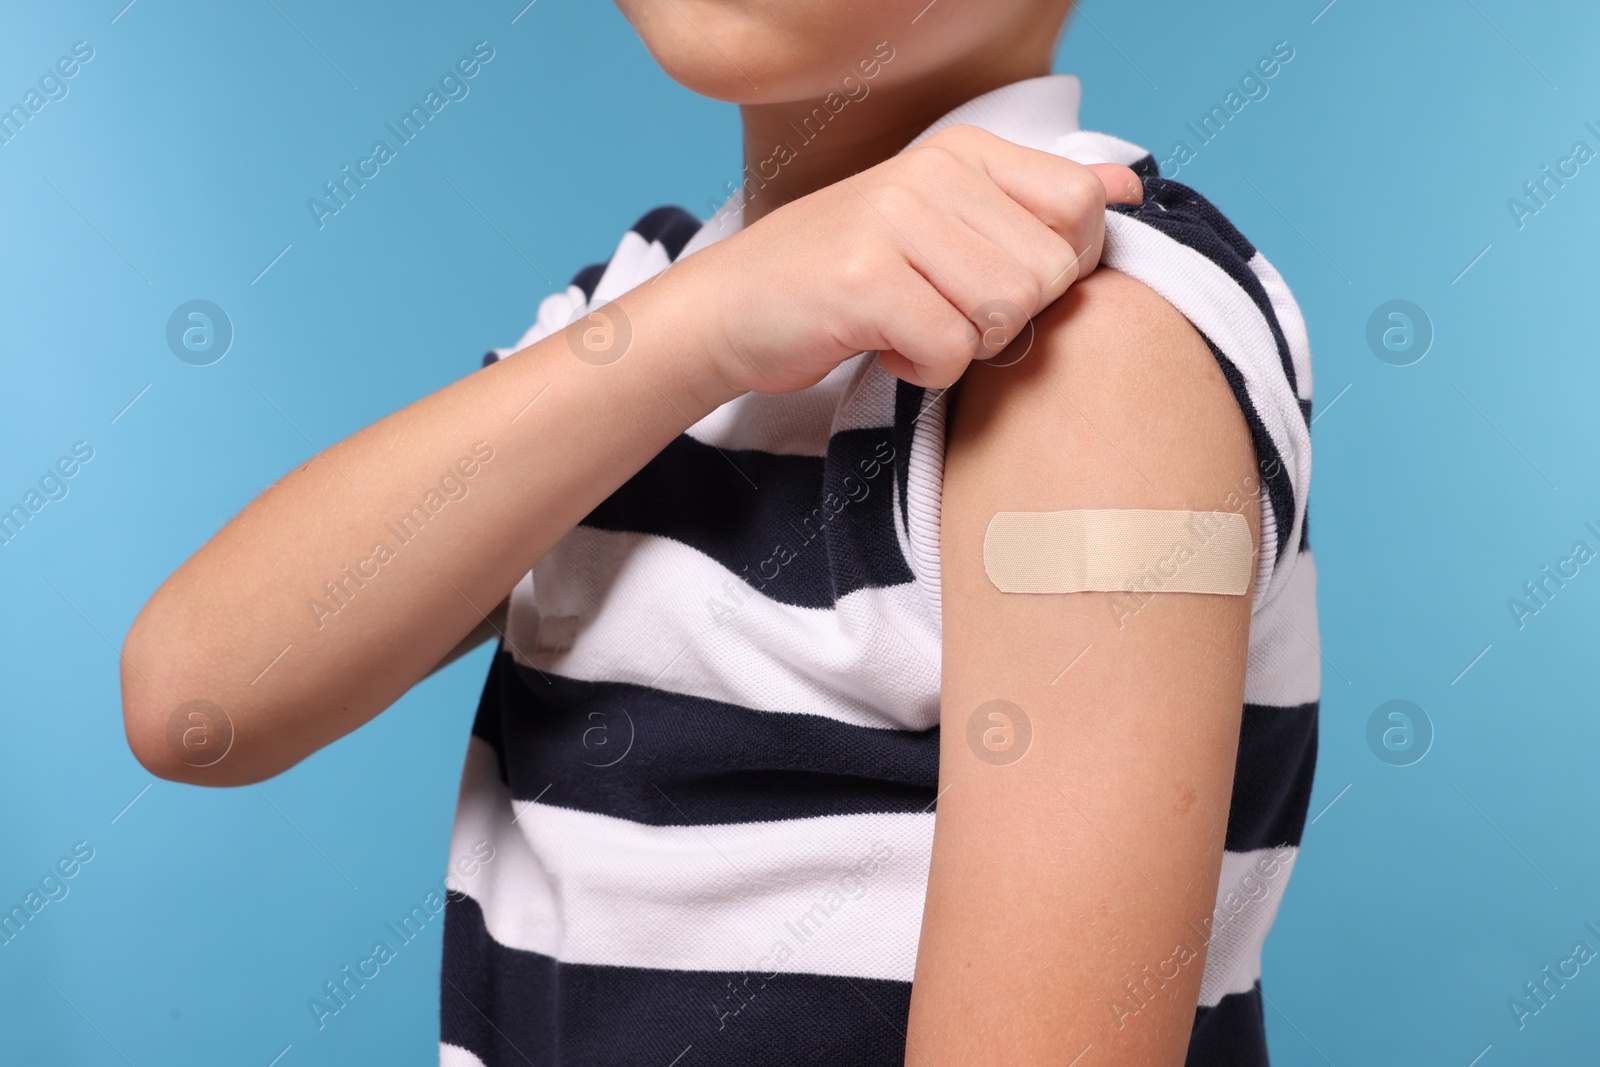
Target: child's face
<point>768,51</point>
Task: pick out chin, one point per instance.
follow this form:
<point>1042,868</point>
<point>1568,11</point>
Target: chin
<point>762,52</point>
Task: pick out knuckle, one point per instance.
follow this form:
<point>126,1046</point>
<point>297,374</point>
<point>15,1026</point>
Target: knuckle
<point>928,162</point>
<point>955,338</point>
<point>1086,190</point>
<point>1062,261</point>
<point>1024,292</point>
<point>1061,250</point>
<point>999,322</point>
<point>961,135</point>
<point>1071,269</point>
<point>897,200</point>
<point>1090,261</point>
<point>860,269</point>
<point>1078,203</point>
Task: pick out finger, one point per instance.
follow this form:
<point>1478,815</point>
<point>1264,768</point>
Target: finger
<point>899,366</point>
<point>984,281</point>
<point>939,346</point>
<point>1045,254</point>
<point>1066,196</point>
<point>1122,185</point>
<point>913,321</point>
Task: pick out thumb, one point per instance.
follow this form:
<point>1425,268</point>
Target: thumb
<point>1122,185</point>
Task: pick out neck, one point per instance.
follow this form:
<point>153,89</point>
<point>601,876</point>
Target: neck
<point>796,147</point>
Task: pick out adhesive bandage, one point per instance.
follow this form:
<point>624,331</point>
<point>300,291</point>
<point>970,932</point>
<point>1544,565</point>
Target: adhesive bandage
<point>1118,550</point>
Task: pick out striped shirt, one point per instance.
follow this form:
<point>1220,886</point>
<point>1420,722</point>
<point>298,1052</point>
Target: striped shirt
<point>706,755</point>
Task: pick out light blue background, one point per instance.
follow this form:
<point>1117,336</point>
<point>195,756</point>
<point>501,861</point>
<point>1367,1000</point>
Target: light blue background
<point>178,167</point>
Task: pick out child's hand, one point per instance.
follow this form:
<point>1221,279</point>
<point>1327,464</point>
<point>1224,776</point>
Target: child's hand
<point>934,257</point>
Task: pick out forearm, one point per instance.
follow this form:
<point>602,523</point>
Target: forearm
<point>774,308</point>
<point>324,578</point>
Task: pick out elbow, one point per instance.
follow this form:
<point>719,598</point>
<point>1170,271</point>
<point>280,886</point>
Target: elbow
<point>152,723</point>
<point>187,741</point>
<point>172,734</point>
<point>147,740</point>
<point>141,695</point>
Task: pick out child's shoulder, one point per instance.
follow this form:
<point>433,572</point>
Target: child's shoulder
<point>1178,243</point>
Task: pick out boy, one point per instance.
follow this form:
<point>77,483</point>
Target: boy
<point>730,496</point>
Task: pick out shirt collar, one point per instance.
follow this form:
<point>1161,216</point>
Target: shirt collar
<point>1035,113</point>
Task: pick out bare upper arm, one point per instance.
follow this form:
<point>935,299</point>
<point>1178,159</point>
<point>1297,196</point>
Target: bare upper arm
<point>1059,876</point>
<point>492,628</point>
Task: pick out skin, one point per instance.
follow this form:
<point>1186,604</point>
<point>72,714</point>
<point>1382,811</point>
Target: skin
<point>776,60</point>
<point>1059,876</point>
<point>1032,919</point>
